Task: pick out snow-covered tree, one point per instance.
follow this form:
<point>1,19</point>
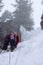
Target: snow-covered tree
<point>23,14</point>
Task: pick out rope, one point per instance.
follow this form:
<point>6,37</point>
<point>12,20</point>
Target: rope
<point>17,56</point>
<point>9,57</point>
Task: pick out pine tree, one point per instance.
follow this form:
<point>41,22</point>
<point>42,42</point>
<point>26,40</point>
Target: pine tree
<point>23,14</point>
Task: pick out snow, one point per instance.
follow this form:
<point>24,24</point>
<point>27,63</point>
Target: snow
<point>28,52</point>
<point>26,35</point>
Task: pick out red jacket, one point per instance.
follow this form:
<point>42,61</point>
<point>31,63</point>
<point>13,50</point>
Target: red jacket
<point>18,38</point>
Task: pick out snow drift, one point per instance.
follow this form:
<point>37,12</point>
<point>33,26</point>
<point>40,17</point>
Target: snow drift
<point>29,52</point>
<point>26,35</point>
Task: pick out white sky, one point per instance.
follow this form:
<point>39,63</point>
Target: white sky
<point>37,10</point>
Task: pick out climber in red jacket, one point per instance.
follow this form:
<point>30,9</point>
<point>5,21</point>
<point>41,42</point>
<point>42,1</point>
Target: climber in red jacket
<point>12,39</point>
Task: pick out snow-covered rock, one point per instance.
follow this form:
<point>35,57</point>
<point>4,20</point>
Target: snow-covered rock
<point>25,35</point>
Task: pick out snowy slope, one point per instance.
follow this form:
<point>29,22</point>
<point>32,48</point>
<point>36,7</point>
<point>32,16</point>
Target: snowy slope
<point>27,53</point>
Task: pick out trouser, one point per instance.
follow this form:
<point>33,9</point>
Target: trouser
<point>5,44</point>
<point>12,44</point>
